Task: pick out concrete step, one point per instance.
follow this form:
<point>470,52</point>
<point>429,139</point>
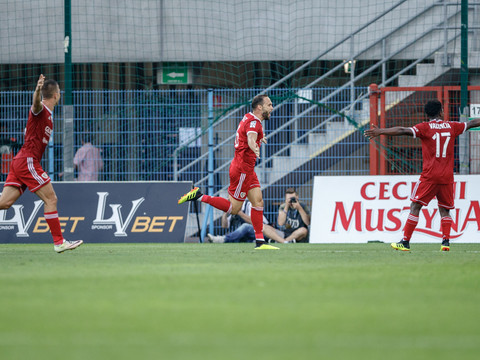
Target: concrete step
<point>317,139</point>
<point>300,151</point>
<point>336,130</point>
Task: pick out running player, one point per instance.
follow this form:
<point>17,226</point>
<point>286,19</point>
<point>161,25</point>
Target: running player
<point>438,140</point>
<point>243,180</point>
<point>26,171</point>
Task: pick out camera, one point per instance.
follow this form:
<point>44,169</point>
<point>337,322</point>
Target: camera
<point>293,200</point>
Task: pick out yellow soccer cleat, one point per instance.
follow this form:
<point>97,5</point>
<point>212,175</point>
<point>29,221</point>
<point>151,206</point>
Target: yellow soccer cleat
<point>445,245</point>
<point>266,247</point>
<point>401,245</point>
<point>192,195</point>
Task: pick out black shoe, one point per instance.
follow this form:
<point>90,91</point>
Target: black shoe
<point>402,245</point>
<point>445,245</point>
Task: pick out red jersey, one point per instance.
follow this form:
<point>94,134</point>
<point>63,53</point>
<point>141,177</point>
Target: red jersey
<point>244,157</point>
<point>37,134</point>
<point>438,140</point>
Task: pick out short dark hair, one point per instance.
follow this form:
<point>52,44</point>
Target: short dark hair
<point>433,108</point>
<point>49,88</point>
<point>290,190</point>
<point>258,100</point>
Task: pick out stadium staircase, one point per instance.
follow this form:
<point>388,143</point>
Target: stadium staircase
<point>429,74</point>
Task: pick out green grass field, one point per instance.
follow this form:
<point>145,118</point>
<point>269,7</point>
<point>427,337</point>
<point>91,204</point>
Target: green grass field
<point>227,301</point>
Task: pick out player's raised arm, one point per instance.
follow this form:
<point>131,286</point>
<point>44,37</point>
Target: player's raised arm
<point>37,96</point>
<point>473,123</point>
<point>375,131</point>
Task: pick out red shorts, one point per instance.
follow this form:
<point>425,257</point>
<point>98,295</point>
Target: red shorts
<point>423,192</point>
<point>241,183</point>
<point>27,172</point>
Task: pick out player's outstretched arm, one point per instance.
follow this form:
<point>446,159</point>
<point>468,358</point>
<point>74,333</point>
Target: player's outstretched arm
<point>37,96</point>
<point>375,131</point>
<point>473,123</point>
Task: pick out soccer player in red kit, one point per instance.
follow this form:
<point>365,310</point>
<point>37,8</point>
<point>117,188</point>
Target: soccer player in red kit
<point>243,180</point>
<point>438,140</point>
<point>26,171</point>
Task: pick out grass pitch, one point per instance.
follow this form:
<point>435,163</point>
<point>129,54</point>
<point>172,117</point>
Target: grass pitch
<point>227,301</point>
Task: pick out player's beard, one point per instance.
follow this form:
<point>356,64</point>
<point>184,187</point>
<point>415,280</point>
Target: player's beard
<point>266,115</point>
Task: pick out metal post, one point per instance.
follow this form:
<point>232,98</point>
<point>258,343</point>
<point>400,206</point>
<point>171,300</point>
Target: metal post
<point>352,77</point>
<point>210,153</point>
<point>445,34</point>
<point>295,125</point>
<point>464,140</point>
<point>175,166</point>
<point>464,57</point>
<point>474,46</point>
<point>263,154</point>
<point>67,97</point>
<point>209,212</point>
<point>374,92</point>
<point>384,65</point>
<point>51,157</point>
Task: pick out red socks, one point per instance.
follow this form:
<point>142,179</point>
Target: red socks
<point>410,225</point>
<point>257,222</point>
<point>446,225</point>
<point>55,228</point>
<point>224,205</point>
<point>217,202</point>
<point>412,221</point>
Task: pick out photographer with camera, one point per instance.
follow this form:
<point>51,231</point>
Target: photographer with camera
<point>293,217</point>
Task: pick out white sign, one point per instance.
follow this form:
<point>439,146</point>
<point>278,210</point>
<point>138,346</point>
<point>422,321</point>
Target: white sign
<point>306,94</point>
<point>475,110</point>
<point>190,136</point>
<point>358,209</point>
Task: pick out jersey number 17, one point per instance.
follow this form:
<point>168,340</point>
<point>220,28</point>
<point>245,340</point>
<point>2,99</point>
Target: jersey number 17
<point>438,139</point>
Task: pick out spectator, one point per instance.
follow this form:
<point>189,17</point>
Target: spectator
<point>7,144</point>
<point>88,160</point>
<point>244,231</point>
<point>293,217</point>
